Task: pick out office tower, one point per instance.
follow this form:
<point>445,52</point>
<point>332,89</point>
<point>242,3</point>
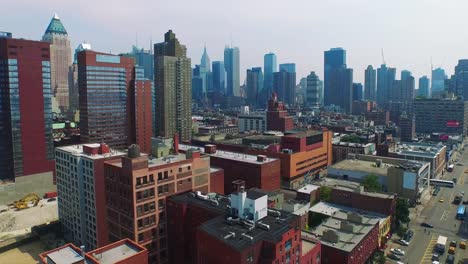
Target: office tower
<point>173,88</point>
<point>385,78</point>
<point>370,83</point>
<point>232,66</point>
<point>407,127</point>
<point>205,61</point>
<point>139,212</point>
<point>202,78</point>
<point>26,144</point>
<point>269,67</point>
<point>405,74</point>
<point>141,106</point>
<point>357,91</point>
<point>423,87</point>
<point>254,85</point>
<point>461,78</point>
<point>438,81</point>
<point>448,116</point>
<point>74,94</point>
<point>144,59</point>
<point>338,79</point>
<point>60,60</point>
<point>407,88</point>
<point>219,77</point>
<point>82,194</point>
<point>321,93</point>
<point>198,82</point>
<point>284,85</point>
<point>313,87</point>
<point>103,81</point>
<point>289,67</point>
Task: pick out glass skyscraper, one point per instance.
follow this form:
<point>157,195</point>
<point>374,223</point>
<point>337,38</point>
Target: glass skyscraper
<point>424,88</point>
<point>289,67</point>
<point>219,77</point>
<point>370,83</point>
<point>269,67</point>
<point>231,64</point>
<point>338,79</point>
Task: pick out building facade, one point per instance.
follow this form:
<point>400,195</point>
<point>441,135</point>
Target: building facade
<point>60,60</point>
<point>277,116</point>
<point>25,109</point>
<point>254,85</point>
<point>424,90</point>
<point>255,122</point>
<point>284,85</point>
<point>357,92</point>
<point>232,66</point>
<point>173,88</point>
<point>219,77</point>
<point>269,67</point>
<point>313,90</point>
<point>385,78</point>
<point>338,80</point>
<point>370,83</point>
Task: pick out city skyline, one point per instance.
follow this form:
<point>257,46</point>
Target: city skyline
<point>116,31</point>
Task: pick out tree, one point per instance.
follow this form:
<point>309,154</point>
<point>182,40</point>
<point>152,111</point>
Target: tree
<point>379,258</point>
<point>402,211</point>
<point>325,193</point>
<point>371,183</point>
<point>351,139</point>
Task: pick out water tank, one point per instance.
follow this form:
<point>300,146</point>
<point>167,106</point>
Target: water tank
<point>134,151</point>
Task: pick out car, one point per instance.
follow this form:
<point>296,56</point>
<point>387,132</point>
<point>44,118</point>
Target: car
<point>397,251</point>
<point>399,262</point>
<point>465,202</point>
<point>453,243</point>
<point>427,225</point>
<point>450,259</point>
<point>462,244</point>
<point>394,257</point>
<point>454,180</point>
<point>459,164</point>
<point>435,257</point>
<point>441,200</point>
<point>451,250</point>
<point>51,199</point>
<point>402,242</point>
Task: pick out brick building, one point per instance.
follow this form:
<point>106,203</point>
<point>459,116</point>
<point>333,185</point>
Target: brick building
<point>137,187</point>
<point>277,115</point>
<point>256,170</point>
<point>217,180</point>
<point>124,251</point>
<point>26,144</point>
<point>380,118</point>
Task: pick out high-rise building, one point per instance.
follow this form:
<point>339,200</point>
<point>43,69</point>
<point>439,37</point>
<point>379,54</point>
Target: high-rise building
<point>173,88</point>
<point>26,144</point>
<point>461,78</point>
<point>313,87</point>
<point>269,67</point>
<point>202,78</point>
<point>289,67</point>
<point>144,59</point>
<point>107,99</point>
<point>370,83</point>
<point>205,61</point>
<point>254,85</point>
<point>407,127</point>
<point>137,188</point>
<point>81,192</point>
<point>232,66</point>
<point>74,93</point>
<point>357,91</point>
<point>284,85</point>
<point>423,87</point>
<point>60,60</point>
<point>438,81</point>
<point>141,106</point>
<point>385,78</point>
<point>277,115</point>
<point>219,77</point>
<point>338,79</point>
<point>405,74</point>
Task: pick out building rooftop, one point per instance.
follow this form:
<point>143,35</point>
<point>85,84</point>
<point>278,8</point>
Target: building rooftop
<point>56,26</point>
<point>351,187</point>
<point>229,155</point>
<point>77,150</point>
<point>302,133</point>
<point>348,224</point>
<point>362,165</point>
<point>307,189</point>
<point>116,254</point>
<point>65,255</point>
<point>421,149</point>
<point>307,245</point>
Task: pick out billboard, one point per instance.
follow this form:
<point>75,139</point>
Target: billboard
<point>453,123</point>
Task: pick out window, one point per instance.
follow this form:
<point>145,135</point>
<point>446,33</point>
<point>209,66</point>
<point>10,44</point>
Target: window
<point>140,237</point>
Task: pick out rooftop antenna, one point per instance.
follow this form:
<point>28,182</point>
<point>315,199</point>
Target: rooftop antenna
<point>136,39</point>
<point>383,57</point>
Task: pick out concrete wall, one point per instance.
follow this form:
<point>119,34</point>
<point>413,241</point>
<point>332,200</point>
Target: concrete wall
<point>39,184</point>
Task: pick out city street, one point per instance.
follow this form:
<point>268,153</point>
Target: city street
<point>442,216</point>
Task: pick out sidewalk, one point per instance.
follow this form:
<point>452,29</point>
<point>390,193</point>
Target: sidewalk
<point>415,212</point>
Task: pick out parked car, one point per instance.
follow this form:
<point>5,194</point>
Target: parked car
<point>403,242</point>
<point>397,251</point>
<point>450,259</point>
<point>453,243</point>
<point>454,180</point>
<point>462,244</point>
<point>451,250</point>
<point>427,225</point>
<point>435,257</point>
<point>394,257</point>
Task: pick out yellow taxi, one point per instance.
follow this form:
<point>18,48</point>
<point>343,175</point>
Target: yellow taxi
<point>462,244</point>
<point>441,200</point>
<point>451,250</point>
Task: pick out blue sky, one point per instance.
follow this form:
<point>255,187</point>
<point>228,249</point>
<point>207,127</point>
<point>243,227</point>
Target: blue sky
<point>409,31</point>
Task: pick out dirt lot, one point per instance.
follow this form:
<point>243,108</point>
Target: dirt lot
<point>26,254</point>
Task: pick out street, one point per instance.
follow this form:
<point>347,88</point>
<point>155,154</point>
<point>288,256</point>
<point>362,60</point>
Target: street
<point>442,216</point>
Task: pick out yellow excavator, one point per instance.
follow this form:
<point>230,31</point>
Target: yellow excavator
<point>23,202</point>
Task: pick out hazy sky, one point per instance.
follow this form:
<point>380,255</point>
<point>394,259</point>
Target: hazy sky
<point>409,31</point>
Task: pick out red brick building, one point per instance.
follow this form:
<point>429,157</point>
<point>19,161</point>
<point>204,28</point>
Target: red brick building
<point>136,191</point>
<point>277,115</point>
<point>257,171</point>
<point>121,252</point>
<point>380,118</point>
<point>26,144</point>
<point>217,180</point>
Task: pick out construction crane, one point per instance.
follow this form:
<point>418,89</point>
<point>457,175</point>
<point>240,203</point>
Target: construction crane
<point>383,57</point>
<point>23,202</point>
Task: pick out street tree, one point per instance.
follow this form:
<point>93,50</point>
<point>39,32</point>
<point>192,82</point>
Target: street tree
<point>371,183</point>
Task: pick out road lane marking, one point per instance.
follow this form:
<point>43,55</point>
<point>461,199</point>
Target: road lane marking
<point>444,215</point>
<point>427,257</point>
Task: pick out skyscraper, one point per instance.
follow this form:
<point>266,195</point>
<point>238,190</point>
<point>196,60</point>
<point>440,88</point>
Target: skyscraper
<point>370,83</point>
<point>284,85</point>
<point>254,85</point>
<point>60,60</point>
<point>405,74</point>
<point>73,83</point>
<point>205,61</point>
<point>173,88</point>
<point>338,79</point>
<point>289,67</point>
<point>407,89</point>
<point>232,66</point>
<point>26,144</point>
<point>438,81</point>
<point>198,83</point>
<point>423,87</point>
<point>144,59</point>
<point>357,91</point>
<point>385,78</point>
<point>219,77</point>
<point>461,78</point>
<point>114,101</point>
<point>269,67</point>
<point>312,91</point>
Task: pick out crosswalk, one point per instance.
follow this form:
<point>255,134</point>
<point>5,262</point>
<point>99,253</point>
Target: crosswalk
<point>427,257</point>
<point>444,215</point>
